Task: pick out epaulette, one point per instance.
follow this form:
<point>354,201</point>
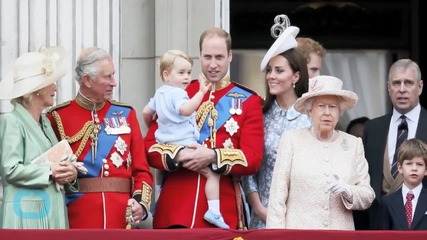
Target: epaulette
<point>61,105</point>
<point>246,88</point>
<point>114,102</point>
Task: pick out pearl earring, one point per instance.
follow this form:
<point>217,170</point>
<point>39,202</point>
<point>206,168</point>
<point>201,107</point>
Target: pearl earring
<point>293,85</point>
<point>38,93</point>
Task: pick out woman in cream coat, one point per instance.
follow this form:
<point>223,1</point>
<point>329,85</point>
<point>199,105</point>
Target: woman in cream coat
<point>320,174</point>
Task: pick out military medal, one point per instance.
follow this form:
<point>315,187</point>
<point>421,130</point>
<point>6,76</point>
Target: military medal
<point>236,103</point>
<point>107,126</point>
<point>123,126</point>
<point>116,126</point>
<point>232,110</point>
<point>239,107</point>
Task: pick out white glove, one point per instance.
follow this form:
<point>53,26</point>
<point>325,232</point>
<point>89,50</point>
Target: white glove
<point>59,186</point>
<point>78,165</point>
<point>339,186</point>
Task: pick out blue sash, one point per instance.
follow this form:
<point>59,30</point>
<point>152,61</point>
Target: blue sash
<point>223,107</point>
<point>105,143</point>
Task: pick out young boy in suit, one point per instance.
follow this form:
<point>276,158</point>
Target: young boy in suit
<point>406,209</point>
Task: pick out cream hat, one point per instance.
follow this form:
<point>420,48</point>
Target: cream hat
<point>326,85</point>
<point>34,71</point>
<point>284,42</point>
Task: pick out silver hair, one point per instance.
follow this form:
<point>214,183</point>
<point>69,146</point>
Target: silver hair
<point>405,64</point>
<point>308,104</point>
<point>88,62</point>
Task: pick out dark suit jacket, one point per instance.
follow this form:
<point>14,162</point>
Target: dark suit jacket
<point>392,212</point>
<point>374,141</point>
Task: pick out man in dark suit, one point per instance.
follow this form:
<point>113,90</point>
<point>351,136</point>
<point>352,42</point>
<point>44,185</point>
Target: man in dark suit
<point>380,134</point>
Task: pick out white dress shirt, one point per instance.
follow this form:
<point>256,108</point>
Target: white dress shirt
<point>412,118</point>
<point>416,191</point>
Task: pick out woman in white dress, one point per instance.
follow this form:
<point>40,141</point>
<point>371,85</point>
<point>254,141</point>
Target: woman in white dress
<point>320,174</point>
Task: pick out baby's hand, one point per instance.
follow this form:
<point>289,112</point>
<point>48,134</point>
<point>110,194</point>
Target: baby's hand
<point>204,85</point>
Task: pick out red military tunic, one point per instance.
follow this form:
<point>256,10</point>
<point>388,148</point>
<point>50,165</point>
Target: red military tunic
<point>119,157</point>
<point>182,200</point>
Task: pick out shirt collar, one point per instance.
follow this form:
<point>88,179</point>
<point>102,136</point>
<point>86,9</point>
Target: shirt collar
<point>289,114</point>
<point>416,191</point>
<point>411,115</point>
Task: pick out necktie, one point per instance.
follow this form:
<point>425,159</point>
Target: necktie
<point>402,135</point>
<point>408,208</point>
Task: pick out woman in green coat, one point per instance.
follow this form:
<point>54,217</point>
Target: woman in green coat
<point>30,197</point>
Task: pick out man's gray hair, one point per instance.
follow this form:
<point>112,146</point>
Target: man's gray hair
<point>88,62</point>
<point>405,64</point>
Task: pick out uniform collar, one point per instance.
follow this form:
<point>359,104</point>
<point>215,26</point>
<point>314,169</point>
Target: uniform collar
<point>88,104</point>
<point>222,84</point>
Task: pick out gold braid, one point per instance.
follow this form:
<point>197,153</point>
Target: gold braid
<point>203,112</point>
<point>83,134</point>
<point>212,125</point>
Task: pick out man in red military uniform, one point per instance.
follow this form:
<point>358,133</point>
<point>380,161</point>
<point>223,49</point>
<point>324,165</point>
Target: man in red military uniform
<point>105,135</point>
<point>231,136</point>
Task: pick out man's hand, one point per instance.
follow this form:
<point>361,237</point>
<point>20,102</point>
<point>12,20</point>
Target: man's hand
<point>137,210</point>
<point>196,157</point>
<point>184,155</point>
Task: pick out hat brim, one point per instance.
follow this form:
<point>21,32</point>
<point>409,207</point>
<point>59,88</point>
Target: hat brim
<point>348,98</point>
<point>10,89</point>
<point>282,44</point>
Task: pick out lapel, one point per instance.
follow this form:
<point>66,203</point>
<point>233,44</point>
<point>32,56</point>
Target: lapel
<point>420,209</point>
<point>399,208</point>
<point>33,128</point>
<point>382,132</point>
<point>390,184</point>
<point>422,133</point>
<point>375,141</point>
<point>422,127</point>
